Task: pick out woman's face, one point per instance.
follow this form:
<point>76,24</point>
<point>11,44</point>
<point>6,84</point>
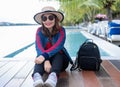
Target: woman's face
<point>48,20</point>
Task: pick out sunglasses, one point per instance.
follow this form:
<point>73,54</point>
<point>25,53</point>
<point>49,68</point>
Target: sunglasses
<point>50,17</point>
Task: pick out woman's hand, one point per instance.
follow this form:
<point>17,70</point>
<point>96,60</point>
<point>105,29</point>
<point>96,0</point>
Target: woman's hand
<point>39,59</point>
<point>47,66</point>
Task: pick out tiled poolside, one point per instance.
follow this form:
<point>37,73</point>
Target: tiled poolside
<point>112,49</point>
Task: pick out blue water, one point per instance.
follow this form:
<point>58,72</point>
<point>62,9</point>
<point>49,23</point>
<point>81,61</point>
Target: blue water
<point>18,51</point>
<point>73,42</point>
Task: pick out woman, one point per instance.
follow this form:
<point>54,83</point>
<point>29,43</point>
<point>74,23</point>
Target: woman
<point>52,57</point>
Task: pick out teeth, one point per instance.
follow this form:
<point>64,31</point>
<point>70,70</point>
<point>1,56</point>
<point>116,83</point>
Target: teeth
<point>48,24</point>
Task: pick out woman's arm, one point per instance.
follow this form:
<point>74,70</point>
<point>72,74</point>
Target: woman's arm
<point>58,45</point>
<point>54,49</point>
<point>38,43</point>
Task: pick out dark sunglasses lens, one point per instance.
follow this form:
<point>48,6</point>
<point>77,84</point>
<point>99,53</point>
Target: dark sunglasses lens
<point>51,17</point>
<point>44,18</point>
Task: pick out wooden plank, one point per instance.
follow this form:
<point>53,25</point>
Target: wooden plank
<point>112,71</point>
<point>104,78</point>
<point>25,70</point>
<point>2,63</point>
<point>28,82</point>
<point>116,63</point>
<point>14,83</point>
<point>63,80</point>
<point>21,75</point>
<point>6,68</point>
<point>107,82</point>
<point>75,79</point>
<point>9,75</point>
<point>90,79</point>
<point>102,73</point>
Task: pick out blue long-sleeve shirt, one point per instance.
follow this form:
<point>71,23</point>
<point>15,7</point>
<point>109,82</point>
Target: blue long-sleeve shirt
<point>58,41</point>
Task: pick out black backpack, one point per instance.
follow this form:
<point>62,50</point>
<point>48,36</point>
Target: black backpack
<point>88,57</point>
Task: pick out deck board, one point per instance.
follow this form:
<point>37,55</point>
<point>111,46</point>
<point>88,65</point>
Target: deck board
<point>10,74</point>
<point>107,82</point>
<point>90,78</point>
<point>63,80</point>
<point>16,82</point>
<point>17,73</point>
<point>104,78</point>
<point>28,82</point>
<point>116,63</point>
<point>2,64</point>
<point>6,68</point>
<point>22,75</point>
<point>113,72</point>
<point>75,79</point>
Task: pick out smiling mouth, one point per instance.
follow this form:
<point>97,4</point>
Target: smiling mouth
<point>48,24</point>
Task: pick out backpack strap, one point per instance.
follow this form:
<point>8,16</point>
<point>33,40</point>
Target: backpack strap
<point>75,65</point>
<point>88,40</point>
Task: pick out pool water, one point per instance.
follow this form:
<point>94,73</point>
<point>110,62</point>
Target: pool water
<point>74,40</point>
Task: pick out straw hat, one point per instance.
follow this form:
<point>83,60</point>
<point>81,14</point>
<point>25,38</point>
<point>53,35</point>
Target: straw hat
<point>48,9</point>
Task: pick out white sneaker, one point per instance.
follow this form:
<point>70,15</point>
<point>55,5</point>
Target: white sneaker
<point>38,82</point>
<point>51,81</point>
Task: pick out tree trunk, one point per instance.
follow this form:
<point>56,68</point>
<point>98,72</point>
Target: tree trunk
<point>109,14</point>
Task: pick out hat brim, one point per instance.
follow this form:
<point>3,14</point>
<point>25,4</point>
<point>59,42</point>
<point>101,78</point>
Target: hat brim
<point>59,15</point>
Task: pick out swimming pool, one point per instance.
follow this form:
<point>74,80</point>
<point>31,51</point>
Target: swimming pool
<point>74,40</point>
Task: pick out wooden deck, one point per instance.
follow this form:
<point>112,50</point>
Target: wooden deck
<point>17,73</point>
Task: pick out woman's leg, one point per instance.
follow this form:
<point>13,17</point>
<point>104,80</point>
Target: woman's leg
<point>37,75</point>
<point>59,63</point>
<point>39,68</point>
